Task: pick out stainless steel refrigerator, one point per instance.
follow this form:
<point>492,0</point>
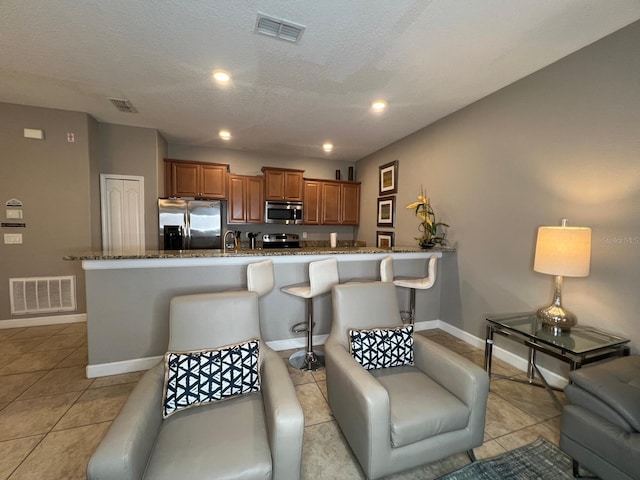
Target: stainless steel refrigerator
<point>190,224</point>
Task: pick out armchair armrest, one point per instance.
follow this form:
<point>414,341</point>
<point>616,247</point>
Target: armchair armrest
<point>284,416</point>
<point>460,376</point>
<point>125,449</point>
<point>360,404</point>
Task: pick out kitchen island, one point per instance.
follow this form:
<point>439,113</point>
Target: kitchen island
<point>128,295</point>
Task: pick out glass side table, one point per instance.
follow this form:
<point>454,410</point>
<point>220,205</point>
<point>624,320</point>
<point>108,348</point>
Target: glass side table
<point>577,347</point>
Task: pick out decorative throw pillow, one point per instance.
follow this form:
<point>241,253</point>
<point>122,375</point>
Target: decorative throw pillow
<point>382,347</point>
<point>205,376</point>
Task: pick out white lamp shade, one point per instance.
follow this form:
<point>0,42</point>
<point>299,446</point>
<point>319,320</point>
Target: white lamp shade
<point>564,251</point>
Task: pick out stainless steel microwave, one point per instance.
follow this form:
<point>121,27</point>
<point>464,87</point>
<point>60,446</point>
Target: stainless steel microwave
<point>288,213</point>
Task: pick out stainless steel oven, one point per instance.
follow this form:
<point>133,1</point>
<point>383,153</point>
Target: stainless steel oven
<point>288,213</point>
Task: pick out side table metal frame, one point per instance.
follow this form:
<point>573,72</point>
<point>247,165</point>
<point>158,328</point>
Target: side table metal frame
<point>575,361</point>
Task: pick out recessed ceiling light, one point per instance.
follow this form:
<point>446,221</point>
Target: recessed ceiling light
<point>327,147</point>
<point>224,134</point>
<point>379,106</point>
<point>221,76</point>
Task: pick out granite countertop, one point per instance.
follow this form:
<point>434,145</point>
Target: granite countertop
<point>313,250</point>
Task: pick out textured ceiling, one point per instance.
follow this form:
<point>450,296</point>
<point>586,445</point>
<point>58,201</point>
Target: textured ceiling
<point>426,58</point>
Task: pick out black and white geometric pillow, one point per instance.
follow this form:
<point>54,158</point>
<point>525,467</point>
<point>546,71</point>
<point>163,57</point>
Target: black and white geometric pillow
<point>382,347</point>
<point>205,376</point>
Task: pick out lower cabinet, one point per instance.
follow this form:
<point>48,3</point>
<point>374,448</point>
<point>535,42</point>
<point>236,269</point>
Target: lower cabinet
<point>245,199</point>
<point>331,202</point>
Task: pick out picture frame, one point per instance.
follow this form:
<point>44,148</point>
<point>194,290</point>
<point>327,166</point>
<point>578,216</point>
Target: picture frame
<point>385,239</point>
<point>388,178</point>
<point>386,211</point>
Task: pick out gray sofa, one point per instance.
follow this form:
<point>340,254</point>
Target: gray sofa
<point>253,436</point>
<point>600,427</point>
<point>400,417</point>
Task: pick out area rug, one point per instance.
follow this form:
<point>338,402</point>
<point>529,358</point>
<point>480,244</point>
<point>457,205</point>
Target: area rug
<point>540,460</point>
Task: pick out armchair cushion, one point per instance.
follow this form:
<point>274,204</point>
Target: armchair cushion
<point>420,407</point>
<point>222,440</point>
<point>205,376</point>
<point>382,347</point>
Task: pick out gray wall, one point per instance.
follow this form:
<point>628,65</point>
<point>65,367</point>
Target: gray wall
<point>561,143</point>
<point>51,178</point>
<point>132,151</point>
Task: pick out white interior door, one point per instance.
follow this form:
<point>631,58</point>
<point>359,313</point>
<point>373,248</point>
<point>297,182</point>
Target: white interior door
<point>122,212</point>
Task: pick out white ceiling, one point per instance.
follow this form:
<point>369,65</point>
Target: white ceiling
<point>426,58</point>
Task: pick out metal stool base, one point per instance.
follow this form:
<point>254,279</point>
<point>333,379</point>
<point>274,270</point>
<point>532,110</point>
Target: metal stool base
<point>307,361</point>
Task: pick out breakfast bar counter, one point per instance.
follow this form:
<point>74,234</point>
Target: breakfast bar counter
<point>128,294</point>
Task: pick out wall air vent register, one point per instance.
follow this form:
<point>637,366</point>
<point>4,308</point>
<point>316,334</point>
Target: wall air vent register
<point>42,294</point>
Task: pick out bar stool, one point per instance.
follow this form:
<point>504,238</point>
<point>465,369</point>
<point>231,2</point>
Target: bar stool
<point>323,275</point>
<point>412,283</point>
<point>260,277</point>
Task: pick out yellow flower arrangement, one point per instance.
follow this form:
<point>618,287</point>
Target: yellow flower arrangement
<point>428,226</point>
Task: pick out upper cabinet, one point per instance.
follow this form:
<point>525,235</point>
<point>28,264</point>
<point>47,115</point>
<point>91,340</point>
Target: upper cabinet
<point>195,179</point>
<point>282,184</point>
<point>245,203</point>
<point>329,202</point>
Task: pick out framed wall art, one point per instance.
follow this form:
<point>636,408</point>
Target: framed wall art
<point>386,211</point>
<point>388,178</point>
<point>384,239</point>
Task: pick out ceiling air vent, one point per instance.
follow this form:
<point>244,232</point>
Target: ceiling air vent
<point>123,105</point>
<point>276,28</point>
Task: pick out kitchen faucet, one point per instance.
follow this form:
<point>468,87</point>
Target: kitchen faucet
<point>224,240</point>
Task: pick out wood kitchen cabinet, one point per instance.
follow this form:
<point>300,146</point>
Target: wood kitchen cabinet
<point>282,184</point>
<point>328,202</point>
<point>312,203</point>
<point>195,179</point>
<point>245,202</point>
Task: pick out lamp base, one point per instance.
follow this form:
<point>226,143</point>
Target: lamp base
<point>556,318</point>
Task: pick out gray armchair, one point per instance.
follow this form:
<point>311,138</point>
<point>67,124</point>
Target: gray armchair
<point>255,435</point>
<point>400,417</point>
<point>600,427</point>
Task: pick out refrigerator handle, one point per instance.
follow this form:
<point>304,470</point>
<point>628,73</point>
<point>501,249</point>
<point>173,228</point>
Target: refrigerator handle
<point>187,227</point>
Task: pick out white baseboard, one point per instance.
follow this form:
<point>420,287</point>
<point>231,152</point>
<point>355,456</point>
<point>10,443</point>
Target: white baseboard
<point>125,366</point>
<point>39,321</point>
<point>295,343</point>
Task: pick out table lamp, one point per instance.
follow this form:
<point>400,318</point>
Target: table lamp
<point>564,252</point>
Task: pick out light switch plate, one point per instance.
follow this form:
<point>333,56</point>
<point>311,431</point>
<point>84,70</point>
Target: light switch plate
<point>13,238</point>
<point>13,213</point>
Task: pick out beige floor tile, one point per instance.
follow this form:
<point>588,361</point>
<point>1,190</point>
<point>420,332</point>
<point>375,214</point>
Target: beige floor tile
<point>527,435</point>
<point>536,401</point>
<point>12,452</point>
<point>58,342</point>
<point>3,404</point>
<point>62,455</point>
<point>314,406</point>
<point>132,377</point>
<point>78,358</point>
<point>497,365</point>
<point>322,385</point>
<point>9,332</point>
<point>23,418</point>
<point>60,380</point>
<point>11,386</point>
<point>96,405</point>
<point>488,449</point>
<point>452,343</point>
<point>36,361</point>
<point>19,346</point>
<point>78,327</point>
<point>299,377</point>
<point>326,454</point>
<point>503,417</point>
<point>41,331</point>
<point>320,375</point>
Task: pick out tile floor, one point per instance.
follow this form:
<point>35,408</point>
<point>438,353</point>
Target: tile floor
<point>52,417</point>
